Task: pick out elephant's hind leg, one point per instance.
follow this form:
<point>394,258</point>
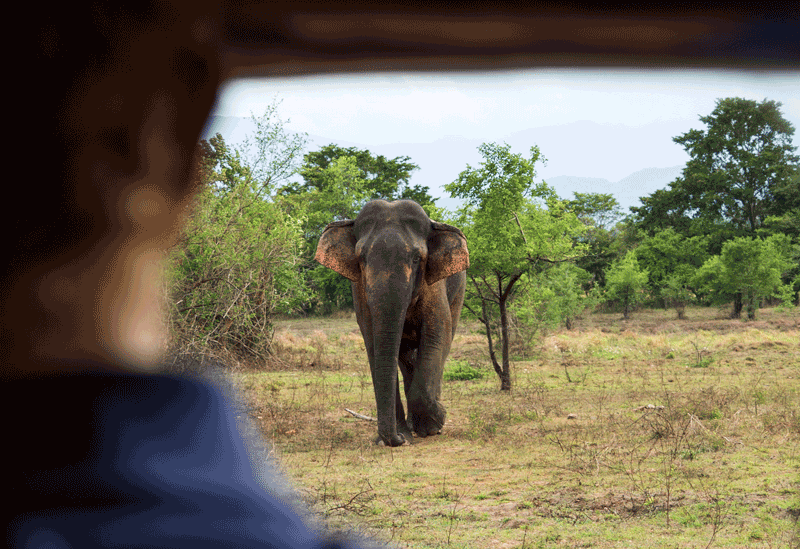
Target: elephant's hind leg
<point>402,426</point>
<point>406,361</point>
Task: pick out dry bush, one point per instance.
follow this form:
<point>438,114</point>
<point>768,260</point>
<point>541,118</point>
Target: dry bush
<point>290,350</point>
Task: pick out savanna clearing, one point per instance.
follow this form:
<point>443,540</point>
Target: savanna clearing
<point>652,432</point>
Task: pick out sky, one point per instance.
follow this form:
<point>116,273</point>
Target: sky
<point>589,123</point>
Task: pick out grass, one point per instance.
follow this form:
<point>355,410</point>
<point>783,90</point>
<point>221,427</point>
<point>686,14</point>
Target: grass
<point>651,432</point>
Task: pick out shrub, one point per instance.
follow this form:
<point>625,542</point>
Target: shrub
<point>460,370</point>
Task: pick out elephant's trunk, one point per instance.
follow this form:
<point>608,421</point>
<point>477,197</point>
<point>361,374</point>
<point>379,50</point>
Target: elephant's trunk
<point>388,300</point>
<point>384,381</point>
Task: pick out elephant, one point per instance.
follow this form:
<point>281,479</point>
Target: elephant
<point>408,281</point>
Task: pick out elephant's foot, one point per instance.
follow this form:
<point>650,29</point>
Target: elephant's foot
<point>428,430</point>
<point>430,423</point>
<point>405,431</point>
<point>398,440</point>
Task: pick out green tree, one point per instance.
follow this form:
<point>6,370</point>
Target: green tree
<point>236,263</point>
<point>788,221</point>
<point>750,268</point>
<point>514,227</point>
<point>596,210</point>
<point>384,178</point>
<point>341,193</point>
<point>272,154</point>
<point>601,214</point>
<point>550,298</point>
<point>739,175</point>
<point>625,282</point>
<point>671,260</point>
<point>676,294</point>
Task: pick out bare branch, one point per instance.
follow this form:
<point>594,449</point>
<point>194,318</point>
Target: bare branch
<point>524,239</point>
<point>360,416</point>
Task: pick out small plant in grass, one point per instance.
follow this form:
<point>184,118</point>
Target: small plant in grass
<point>701,361</point>
<point>460,370</point>
<point>481,426</point>
<point>704,362</point>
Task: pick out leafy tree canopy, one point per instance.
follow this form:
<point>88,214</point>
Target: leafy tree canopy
<point>340,194</point>
<point>626,281</point>
<point>738,176</point>
<point>749,267</point>
<point>598,210</point>
<point>670,255</point>
<point>383,178</point>
<point>601,214</point>
<point>513,226</point>
<point>236,263</point>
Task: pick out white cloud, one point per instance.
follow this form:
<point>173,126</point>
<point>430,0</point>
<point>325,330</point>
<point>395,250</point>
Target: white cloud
<point>420,108</point>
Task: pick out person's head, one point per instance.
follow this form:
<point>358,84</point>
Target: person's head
<point>114,100</point>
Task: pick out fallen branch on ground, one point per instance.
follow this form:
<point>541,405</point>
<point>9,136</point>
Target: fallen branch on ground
<point>360,416</point>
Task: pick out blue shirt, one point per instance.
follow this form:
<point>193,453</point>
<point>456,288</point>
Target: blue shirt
<point>99,459</point>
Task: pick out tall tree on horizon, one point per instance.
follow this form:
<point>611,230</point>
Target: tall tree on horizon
<point>383,177</point>
<point>737,178</point>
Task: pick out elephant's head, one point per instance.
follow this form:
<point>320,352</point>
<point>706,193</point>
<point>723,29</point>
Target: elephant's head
<point>394,254</point>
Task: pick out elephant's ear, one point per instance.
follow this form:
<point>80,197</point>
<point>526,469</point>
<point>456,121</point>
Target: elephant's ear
<point>337,249</point>
<point>447,252</point>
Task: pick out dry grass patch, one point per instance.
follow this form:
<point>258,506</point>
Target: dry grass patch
<point>647,433</point>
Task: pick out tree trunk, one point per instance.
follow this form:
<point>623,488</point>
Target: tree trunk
<point>737,306</point>
<point>752,306</point>
<point>505,376</point>
<point>487,323</point>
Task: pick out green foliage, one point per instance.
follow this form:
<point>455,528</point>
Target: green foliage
<point>443,215</point>
<point>513,223</point>
<point>460,370</point>
<point>741,173</point>
<point>625,282</point>
<point>788,293</point>
<point>271,155</point>
<point>671,260</point>
<point>597,210</point>
<point>676,294</point>
<point>552,298</point>
<point>601,214</point>
<point>514,227</point>
<point>750,268</point>
<point>236,264</point>
<point>384,178</point>
<point>339,193</point>
<point>703,362</point>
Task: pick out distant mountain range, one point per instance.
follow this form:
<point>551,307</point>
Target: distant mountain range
<point>627,191</point>
<point>442,160</point>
